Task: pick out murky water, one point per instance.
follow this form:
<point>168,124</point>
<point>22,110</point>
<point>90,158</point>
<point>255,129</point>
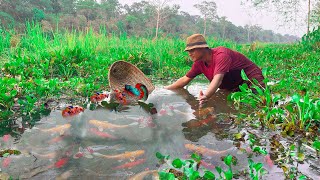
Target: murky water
<point>80,148</point>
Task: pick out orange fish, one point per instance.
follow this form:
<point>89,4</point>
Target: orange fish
<point>105,124</point>
<point>61,129</point>
<point>61,162</point>
<point>126,155</point>
<point>129,165</point>
<point>200,123</point>
<point>57,139</point>
<point>97,97</point>
<point>207,165</point>
<point>204,151</point>
<point>101,134</point>
<point>143,174</point>
<point>72,110</point>
<point>49,155</point>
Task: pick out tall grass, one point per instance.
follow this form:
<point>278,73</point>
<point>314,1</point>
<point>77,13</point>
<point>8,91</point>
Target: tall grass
<point>78,62</point>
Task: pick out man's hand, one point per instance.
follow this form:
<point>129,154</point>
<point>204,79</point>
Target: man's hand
<point>202,98</point>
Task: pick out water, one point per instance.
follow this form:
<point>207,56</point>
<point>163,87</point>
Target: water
<point>83,150</point>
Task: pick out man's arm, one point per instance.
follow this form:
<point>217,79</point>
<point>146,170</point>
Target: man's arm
<point>214,85</point>
<point>180,83</point>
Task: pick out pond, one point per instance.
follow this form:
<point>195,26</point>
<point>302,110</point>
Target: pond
<point>105,144</point>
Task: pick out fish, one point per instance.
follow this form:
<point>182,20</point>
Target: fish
<point>61,162</point>
<point>143,174</point>
<point>132,90</point>
<point>268,160</point>
<point>207,165</point>
<point>101,134</point>
<point>72,110</point>
<point>105,147</point>
<point>105,124</point>
<point>51,155</point>
<point>64,176</point>
<point>61,129</point>
<point>129,94</point>
<point>57,139</point>
<point>204,112</point>
<point>143,91</point>
<point>139,90</point>
<point>6,138</point>
<point>78,155</point>
<point>97,97</point>
<point>205,151</point>
<point>129,165</point>
<point>6,162</point>
<point>146,122</point>
<point>200,123</point>
<point>126,155</point>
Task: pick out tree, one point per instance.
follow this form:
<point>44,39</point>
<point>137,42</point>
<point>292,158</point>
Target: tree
<point>111,8</point>
<point>209,11</point>
<point>56,6</point>
<point>290,10</point>
<point>315,15</point>
<point>159,4</point>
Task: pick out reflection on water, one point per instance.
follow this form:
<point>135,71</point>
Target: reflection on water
<point>104,144</point>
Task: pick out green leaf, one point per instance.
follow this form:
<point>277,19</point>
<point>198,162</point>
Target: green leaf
<point>13,93</point>
<point>219,170</point>
<point>160,156</point>
<point>301,157</point>
<point>292,147</point>
<point>237,136</point>
<point>227,160</point>
<point>251,163</point>
<point>296,98</point>
<point>196,157</point>
<point>316,145</point>
<point>302,177</point>
<point>244,76</point>
<point>6,154</point>
<point>209,175</point>
<point>166,176</point>
<point>263,171</point>
<point>228,174</point>
<point>195,175</point>
<point>257,166</point>
<point>177,163</point>
<point>264,72</point>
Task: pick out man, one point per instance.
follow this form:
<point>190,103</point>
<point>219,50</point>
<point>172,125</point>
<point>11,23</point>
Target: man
<point>221,66</point>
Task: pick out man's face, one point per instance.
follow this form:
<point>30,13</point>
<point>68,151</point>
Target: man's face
<point>196,54</point>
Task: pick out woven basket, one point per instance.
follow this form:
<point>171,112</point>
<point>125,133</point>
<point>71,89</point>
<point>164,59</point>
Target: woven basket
<point>122,73</point>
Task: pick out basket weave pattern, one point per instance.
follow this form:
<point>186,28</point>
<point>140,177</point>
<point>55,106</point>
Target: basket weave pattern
<point>122,73</point>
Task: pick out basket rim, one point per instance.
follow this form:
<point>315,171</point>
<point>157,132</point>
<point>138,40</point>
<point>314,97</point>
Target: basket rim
<point>141,76</point>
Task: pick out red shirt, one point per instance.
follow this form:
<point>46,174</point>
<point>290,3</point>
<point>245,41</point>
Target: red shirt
<point>230,63</point>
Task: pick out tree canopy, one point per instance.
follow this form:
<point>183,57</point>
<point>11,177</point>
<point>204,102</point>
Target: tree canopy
<point>141,19</point>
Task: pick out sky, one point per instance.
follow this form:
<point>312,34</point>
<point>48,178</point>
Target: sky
<point>241,15</point>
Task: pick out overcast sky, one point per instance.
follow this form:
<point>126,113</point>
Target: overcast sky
<point>241,15</point>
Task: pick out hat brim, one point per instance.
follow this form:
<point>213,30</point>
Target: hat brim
<point>188,48</point>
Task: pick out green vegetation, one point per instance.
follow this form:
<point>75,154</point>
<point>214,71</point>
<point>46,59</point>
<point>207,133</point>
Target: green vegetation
<point>36,67</point>
<point>140,19</point>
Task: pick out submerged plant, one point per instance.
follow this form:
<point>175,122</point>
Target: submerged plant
<point>190,168</point>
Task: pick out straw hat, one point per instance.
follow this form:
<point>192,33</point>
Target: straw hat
<point>196,41</point>
<point>122,73</point>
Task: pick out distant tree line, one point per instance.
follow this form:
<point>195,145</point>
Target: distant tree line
<point>153,18</point>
